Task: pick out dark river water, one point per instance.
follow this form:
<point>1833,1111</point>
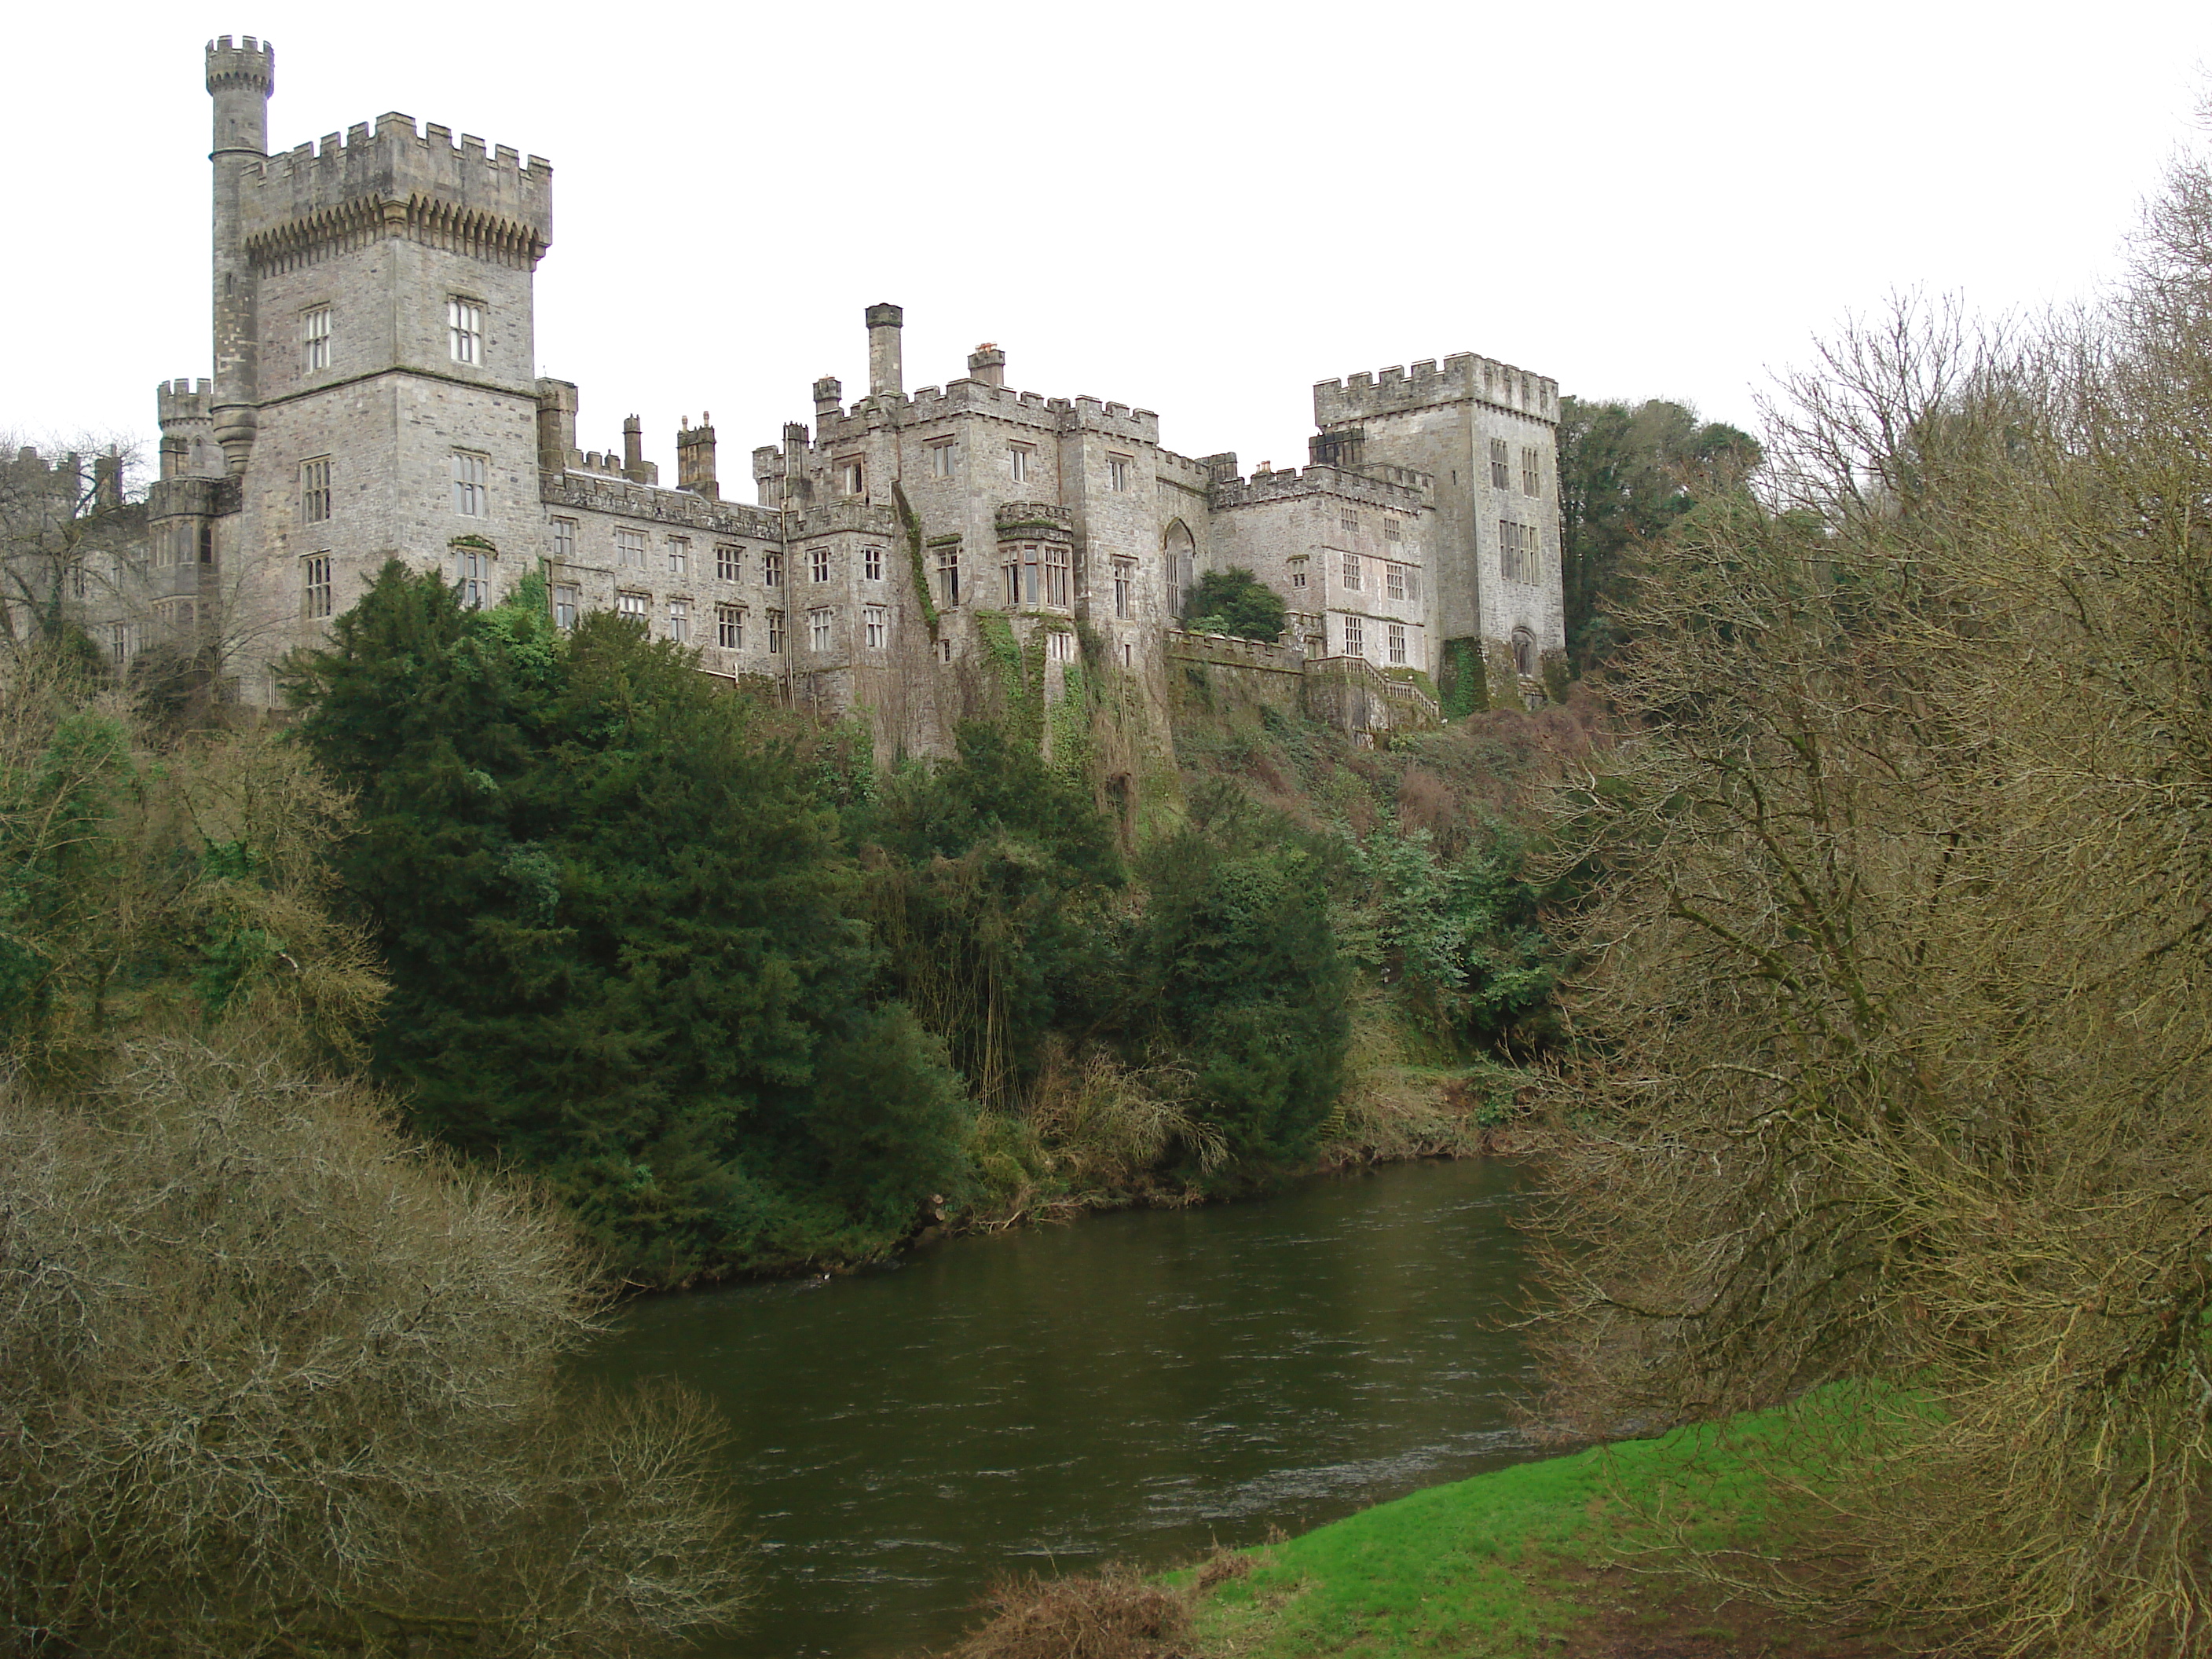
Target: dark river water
<point>1131,1387</point>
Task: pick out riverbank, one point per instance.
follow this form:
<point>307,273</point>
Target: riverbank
<point>1569,1556</point>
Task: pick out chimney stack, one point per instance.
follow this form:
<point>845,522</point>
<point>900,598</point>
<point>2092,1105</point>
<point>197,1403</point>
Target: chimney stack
<point>829,395</point>
<point>106,482</point>
<point>886,377</point>
<point>633,448</point>
<point>694,457</point>
<point>987,363</point>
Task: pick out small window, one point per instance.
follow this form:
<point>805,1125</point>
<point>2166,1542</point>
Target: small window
<point>872,563</point>
<point>315,338</point>
<point>1394,581</point>
<point>679,555</point>
<point>315,490</point>
<point>1393,531</point>
<point>818,559</point>
<point>1532,471</point>
<point>851,475</point>
<point>1351,576</point>
<point>776,632</point>
<point>1349,522</point>
<point>315,585</point>
<point>630,548</point>
<point>1297,573</point>
<point>118,642</point>
<point>1018,463</point>
<point>465,331</point>
<point>207,542</point>
<point>632,606</point>
<point>472,576</point>
<point>820,625</point>
<point>567,601</point>
<point>1117,472</point>
<point>1059,647</point>
<point>941,459</point>
<point>1056,575</point>
<point>1501,470</point>
<point>1129,654</point>
<point>948,578</point>
<point>944,651</point>
<point>1355,637</point>
<point>729,627</point>
<point>729,562</point>
<point>1125,588</point>
<point>679,621</point>
<point>771,570</point>
<point>472,478</point>
<point>1397,645</point>
<point>564,538</point>
<point>877,619</point>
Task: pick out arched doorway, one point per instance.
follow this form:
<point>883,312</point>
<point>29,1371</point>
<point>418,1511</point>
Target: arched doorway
<point>1178,559</point>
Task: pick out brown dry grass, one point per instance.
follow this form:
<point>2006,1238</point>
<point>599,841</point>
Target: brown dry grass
<point>1113,1614</point>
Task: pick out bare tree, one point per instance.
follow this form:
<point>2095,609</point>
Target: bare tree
<point>1899,1035</point>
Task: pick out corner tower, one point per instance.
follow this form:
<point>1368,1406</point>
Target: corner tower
<point>240,80</point>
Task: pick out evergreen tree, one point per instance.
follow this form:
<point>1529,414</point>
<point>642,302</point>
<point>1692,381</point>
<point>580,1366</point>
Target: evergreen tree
<point>619,934</point>
<point>1235,601</point>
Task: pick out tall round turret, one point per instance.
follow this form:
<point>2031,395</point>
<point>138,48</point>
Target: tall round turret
<point>240,79</point>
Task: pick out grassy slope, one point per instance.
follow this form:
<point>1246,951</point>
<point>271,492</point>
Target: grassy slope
<point>1500,1565</point>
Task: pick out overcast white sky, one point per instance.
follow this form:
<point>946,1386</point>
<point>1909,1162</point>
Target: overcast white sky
<point>1198,208</point>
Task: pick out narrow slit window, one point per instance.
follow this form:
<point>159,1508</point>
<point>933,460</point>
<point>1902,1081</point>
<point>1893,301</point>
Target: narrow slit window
<point>472,484</point>
<point>315,490</point>
<point>315,338</point>
<point>315,585</point>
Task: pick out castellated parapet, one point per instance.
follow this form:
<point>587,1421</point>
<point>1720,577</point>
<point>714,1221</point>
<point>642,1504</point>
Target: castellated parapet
<point>392,181</point>
<point>1463,377</point>
<point>1407,491</point>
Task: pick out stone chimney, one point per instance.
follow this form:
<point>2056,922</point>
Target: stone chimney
<point>106,482</point>
<point>694,457</point>
<point>557,426</point>
<point>828,396</point>
<point>886,376</point>
<point>634,450</point>
<point>987,363</point>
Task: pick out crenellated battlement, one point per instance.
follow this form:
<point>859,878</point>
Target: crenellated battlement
<point>835,516</point>
<point>1462,379</point>
<point>1408,492</point>
<point>834,425</point>
<point>589,492</point>
<point>250,63</point>
<point>183,402</point>
<point>1034,521</point>
<point>391,181</point>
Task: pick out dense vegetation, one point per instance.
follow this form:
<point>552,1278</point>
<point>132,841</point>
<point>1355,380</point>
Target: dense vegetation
<point>1895,1055</point>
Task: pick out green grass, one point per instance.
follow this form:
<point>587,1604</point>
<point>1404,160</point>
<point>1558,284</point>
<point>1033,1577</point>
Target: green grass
<point>1497,1564</point>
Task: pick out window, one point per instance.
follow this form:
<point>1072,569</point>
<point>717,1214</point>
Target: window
<point>118,642</point>
<point>1501,470</point>
<point>1355,637</point>
<point>1056,575</point>
<point>679,555</point>
<point>1125,588</point>
<point>1392,531</point>
<point>944,651</point>
<point>1059,647</point>
<point>471,474</point>
<point>819,559</point>
<point>1117,472</point>
<point>1519,558</point>
<point>729,627</point>
<point>679,621</point>
<point>315,584</point>
<point>1010,557</point>
<point>948,576</point>
<point>940,461</point>
<point>771,570</point>
<point>567,602</point>
<point>206,544</point>
<point>1018,461</point>
<point>315,490</point>
<point>1524,652</point>
<point>1397,642</point>
<point>1351,577</point>
<point>564,538</point>
<point>850,476</point>
<point>630,548</point>
<point>1532,473</point>
<point>472,575</point>
<point>1129,654</point>
<point>77,583</point>
<point>877,621</point>
<point>1298,572</point>
<point>632,606</point>
<point>872,563</point>
<point>729,562</point>
<point>315,338</point>
<point>776,632</point>
<point>1349,522</point>
<point>820,625</point>
<point>1394,581</point>
<point>465,331</point>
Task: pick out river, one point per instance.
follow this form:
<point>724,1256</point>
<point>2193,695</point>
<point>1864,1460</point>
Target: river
<point>1129,1387</point>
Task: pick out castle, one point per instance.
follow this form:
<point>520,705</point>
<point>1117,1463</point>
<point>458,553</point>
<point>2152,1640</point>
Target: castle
<point>374,395</point>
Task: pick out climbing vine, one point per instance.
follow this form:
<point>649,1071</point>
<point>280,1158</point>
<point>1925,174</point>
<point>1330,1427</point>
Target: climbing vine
<point>910,521</point>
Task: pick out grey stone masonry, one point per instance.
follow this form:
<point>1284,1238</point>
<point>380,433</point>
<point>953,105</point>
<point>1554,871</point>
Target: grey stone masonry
<point>374,395</point>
